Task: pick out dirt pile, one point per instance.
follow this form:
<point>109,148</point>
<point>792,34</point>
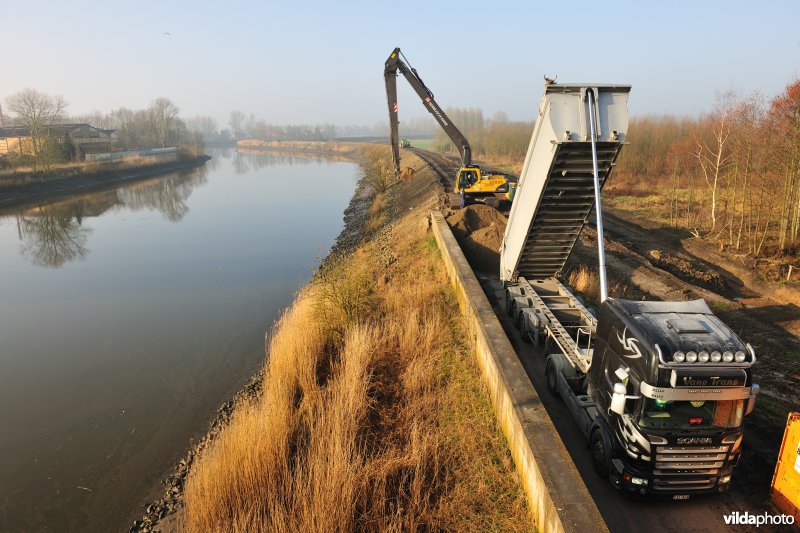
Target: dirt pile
<point>479,230</point>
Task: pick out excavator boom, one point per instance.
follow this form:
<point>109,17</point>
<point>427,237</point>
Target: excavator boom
<point>394,64</point>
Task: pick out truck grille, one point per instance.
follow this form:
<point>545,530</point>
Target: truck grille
<point>685,468</point>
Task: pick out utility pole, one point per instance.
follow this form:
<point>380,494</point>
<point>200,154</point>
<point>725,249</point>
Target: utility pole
<point>2,117</point>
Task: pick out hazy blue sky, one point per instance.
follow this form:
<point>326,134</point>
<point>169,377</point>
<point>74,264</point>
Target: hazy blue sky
<point>311,61</point>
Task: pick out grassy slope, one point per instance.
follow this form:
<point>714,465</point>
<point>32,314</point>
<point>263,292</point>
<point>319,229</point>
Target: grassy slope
<point>372,415</point>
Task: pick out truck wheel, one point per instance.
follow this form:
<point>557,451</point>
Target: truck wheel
<point>600,448</point>
<point>551,374</point>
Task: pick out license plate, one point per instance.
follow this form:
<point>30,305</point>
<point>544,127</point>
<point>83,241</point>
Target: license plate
<point>681,497</point>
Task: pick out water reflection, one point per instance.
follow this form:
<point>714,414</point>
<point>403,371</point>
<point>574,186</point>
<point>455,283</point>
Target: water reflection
<point>54,235</point>
<point>245,160</point>
<point>165,195</point>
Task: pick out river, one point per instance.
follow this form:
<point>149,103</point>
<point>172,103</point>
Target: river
<point>128,316</point>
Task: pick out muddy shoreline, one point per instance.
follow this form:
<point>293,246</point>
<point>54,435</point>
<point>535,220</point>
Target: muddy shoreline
<point>35,193</point>
<point>162,513</point>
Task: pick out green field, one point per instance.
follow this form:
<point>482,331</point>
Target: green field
<point>425,144</point>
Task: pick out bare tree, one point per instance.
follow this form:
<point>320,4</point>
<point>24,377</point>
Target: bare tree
<point>236,121</point>
<point>163,115</point>
<point>36,111</point>
<point>713,157</point>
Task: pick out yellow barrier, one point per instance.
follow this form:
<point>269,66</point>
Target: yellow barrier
<point>786,481</point>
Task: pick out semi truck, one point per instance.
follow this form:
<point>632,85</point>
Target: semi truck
<point>659,389</point>
<point>471,183</point>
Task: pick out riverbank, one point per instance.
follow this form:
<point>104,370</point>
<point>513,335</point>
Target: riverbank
<point>91,178</point>
<point>372,418</point>
<point>349,150</point>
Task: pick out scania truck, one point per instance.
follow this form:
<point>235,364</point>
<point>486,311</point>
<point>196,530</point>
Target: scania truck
<point>659,389</point>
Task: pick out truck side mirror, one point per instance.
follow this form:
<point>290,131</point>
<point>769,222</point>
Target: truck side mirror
<point>751,401</point>
<point>618,399</point>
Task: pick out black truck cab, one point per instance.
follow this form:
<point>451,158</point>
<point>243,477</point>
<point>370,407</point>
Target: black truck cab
<point>671,384</point>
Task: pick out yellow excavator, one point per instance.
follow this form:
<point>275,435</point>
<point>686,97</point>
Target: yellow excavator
<point>471,183</point>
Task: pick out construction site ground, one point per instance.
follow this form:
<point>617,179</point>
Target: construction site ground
<point>647,261</point>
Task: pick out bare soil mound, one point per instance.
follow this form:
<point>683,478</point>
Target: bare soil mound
<point>707,278</point>
<point>479,230</point>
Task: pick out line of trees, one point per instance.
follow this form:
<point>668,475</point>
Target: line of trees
<point>249,127</point>
<point>497,137</point>
<point>159,125</point>
<point>732,175</point>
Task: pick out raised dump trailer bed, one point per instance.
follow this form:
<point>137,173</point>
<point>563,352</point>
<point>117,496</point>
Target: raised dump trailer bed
<point>659,389</point>
<point>555,193</point>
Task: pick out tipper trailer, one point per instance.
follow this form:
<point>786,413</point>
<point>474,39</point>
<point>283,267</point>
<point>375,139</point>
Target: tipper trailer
<point>659,389</point>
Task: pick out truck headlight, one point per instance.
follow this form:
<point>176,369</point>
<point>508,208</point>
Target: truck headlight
<point>691,357</point>
<point>703,357</point>
<point>716,357</point>
<point>725,479</point>
<point>679,357</point>
<point>740,357</point>
<point>639,480</point>
<point>727,357</point>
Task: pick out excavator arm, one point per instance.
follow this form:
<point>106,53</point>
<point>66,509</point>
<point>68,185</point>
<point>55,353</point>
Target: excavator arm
<point>395,64</point>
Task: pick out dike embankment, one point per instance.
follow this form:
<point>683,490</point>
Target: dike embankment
<point>97,179</point>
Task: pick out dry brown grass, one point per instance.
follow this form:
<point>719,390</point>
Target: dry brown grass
<point>377,213</point>
<point>372,417</point>
<point>583,279</point>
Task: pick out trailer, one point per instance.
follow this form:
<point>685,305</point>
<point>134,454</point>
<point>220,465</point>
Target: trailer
<point>659,389</point>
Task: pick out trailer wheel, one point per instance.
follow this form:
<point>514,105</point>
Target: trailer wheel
<point>526,334</point>
<point>510,306</point>
<point>518,322</point>
<point>551,374</point>
<point>600,448</point>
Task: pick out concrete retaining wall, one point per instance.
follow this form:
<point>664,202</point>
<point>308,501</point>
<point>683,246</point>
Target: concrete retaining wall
<point>556,493</point>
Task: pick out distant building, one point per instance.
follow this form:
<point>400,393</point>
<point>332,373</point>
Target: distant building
<point>85,138</point>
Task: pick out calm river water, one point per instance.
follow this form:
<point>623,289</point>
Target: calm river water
<point>127,317</point>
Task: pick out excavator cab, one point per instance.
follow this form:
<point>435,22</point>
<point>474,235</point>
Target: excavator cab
<point>467,178</point>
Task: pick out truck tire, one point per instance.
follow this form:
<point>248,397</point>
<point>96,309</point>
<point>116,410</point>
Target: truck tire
<point>551,375</point>
<point>600,450</point>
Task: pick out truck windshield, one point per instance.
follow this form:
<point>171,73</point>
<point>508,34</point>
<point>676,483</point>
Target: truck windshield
<point>667,414</point>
